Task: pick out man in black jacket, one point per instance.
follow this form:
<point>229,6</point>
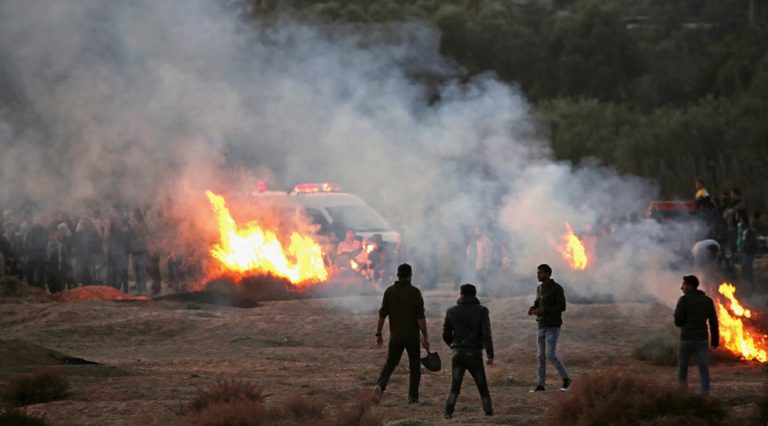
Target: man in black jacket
<point>467,330</point>
<point>548,308</point>
<point>404,306</point>
<point>693,311</point>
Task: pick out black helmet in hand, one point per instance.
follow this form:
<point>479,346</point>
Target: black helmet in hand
<point>432,361</point>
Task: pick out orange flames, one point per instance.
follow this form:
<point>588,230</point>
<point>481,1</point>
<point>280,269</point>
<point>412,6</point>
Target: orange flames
<point>573,250</point>
<point>736,336</point>
<point>250,250</point>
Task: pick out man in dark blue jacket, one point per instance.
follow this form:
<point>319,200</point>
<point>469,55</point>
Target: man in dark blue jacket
<point>548,308</point>
<point>693,311</point>
<point>467,330</point>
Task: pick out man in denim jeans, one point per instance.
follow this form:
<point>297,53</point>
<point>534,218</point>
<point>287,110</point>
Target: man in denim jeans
<point>548,308</point>
<point>693,311</point>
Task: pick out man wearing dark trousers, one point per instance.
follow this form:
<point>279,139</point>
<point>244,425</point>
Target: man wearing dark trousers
<point>404,306</point>
<point>548,308</point>
<point>693,311</point>
<point>467,330</point>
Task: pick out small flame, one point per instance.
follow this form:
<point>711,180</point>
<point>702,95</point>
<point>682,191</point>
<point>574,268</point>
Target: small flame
<point>250,249</point>
<point>736,336</point>
<point>573,250</point>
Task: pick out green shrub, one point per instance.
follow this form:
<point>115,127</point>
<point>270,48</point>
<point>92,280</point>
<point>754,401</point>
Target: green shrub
<point>659,349</point>
<point>43,386</point>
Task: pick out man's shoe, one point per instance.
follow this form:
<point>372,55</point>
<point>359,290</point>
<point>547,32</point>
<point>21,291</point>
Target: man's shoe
<point>376,397</point>
<point>413,400</point>
<point>448,416</point>
<point>566,384</point>
<point>538,388</point>
<point>489,413</point>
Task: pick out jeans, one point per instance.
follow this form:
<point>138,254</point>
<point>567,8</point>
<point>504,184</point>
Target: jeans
<point>472,360</point>
<point>394,353</point>
<point>701,349</point>
<point>547,343</point>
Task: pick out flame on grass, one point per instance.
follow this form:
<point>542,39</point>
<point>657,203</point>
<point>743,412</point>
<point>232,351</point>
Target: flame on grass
<point>248,249</point>
<point>735,333</point>
<point>573,251</point>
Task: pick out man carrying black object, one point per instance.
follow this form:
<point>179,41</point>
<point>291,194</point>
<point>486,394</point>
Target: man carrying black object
<point>467,330</point>
<point>404,306</point>
<point>694,309</point>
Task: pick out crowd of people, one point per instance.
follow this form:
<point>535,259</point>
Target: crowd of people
<point>63,251</point>
<point>732,237</point>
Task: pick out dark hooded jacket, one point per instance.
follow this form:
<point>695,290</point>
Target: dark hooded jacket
<point>551,298</point>
<point>694,309</point>
<point>468,326</point>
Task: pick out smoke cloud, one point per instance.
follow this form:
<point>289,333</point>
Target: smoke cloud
<point>141,101</point>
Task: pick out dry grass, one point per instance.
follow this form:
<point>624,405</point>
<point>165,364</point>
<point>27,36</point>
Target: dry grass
<point>762,406</point>
<point>43,386</point>
<point>357,413</point>
<point>232,413</point>
<point>15,417</point>
<point>225,391</point>
<point>301,408</point>
<point>617,398</point>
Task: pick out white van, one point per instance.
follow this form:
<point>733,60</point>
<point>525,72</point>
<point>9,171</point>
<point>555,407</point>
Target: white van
<point>335,212</point>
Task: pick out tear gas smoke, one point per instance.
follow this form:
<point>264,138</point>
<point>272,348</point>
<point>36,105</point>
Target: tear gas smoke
<point>140,101</point>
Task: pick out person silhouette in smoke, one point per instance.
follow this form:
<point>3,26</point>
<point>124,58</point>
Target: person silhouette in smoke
<point>693,311</point>
<point>403,304</point>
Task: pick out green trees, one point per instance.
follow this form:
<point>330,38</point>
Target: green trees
<point>666,89</point>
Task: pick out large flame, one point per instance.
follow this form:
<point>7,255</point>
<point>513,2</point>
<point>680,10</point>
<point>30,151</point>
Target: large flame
<point>737,336</point>
<point>573,250</point>
<point>249,249</point>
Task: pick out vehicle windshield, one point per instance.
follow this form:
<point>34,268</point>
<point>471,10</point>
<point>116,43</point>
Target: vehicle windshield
<point>359,218</point>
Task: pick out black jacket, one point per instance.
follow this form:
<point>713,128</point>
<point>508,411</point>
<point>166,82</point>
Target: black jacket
<point>692,312</point>
<point>551,298</point>
<point>468,326</point>
<point>404,306</point>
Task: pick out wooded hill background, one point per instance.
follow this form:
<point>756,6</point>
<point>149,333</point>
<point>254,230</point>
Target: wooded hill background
<point>665,89</point>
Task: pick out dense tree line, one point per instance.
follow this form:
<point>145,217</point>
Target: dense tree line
<point>666,89</point>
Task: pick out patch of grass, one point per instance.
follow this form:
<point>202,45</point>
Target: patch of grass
<point>658,349</point>
<point>357,413</point>
<point>618,398</point>
<point>15,417</point>
<point>232,413</point>
<point>301,408</point>
<point>43,386</point>
<point>225,391</point>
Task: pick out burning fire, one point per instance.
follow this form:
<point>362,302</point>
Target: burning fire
<point>736,336</point>
<point>249,249</point>
<point>573,250</point>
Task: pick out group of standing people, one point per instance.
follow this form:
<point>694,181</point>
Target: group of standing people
<point>732,236</point>
<point>62,251</point>
<point>467,331</point>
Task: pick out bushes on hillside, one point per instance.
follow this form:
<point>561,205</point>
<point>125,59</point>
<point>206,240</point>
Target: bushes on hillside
<point>43,386</point>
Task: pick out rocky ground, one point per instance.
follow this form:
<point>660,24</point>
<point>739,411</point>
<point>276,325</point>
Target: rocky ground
<point>154,355</point>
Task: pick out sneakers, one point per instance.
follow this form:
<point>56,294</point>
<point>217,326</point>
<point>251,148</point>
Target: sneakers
<point>376,397</point>
<point>538,388</point>
<point>566,384</point>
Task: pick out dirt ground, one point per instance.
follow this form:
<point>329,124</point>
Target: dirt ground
<point>153,356</point>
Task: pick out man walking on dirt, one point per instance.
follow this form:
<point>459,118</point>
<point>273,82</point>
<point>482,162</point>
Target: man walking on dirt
<point>548,308</point>
<point>404,306</point>
<point>467,330</point>
<point>693,311</point>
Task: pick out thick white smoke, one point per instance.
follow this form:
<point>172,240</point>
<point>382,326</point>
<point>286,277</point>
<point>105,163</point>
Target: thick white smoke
<point>142,100</point>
